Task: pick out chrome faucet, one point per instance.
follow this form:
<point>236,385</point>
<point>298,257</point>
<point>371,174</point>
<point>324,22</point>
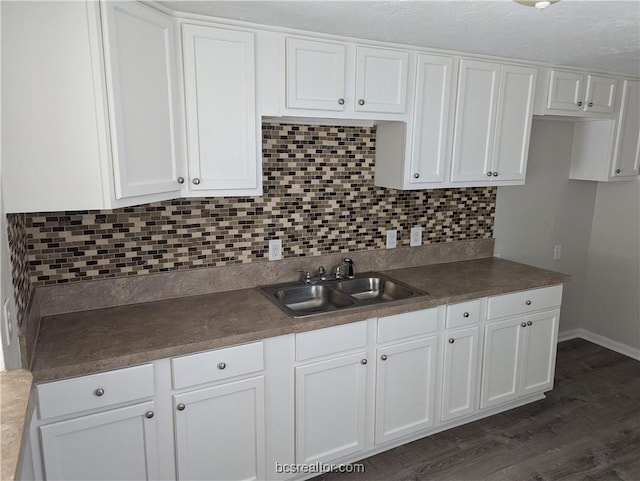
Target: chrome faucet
<point>348,263</point>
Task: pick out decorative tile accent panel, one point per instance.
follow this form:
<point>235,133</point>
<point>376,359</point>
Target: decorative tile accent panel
<point>22,286</point>
<point>319,199</point>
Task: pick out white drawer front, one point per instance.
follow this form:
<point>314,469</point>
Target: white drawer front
<point>463,314</point>
<point>215,365</point>
<point>96,391</point>
<point>331,340</point>
<point>407,325</point>
<point>524,302</point>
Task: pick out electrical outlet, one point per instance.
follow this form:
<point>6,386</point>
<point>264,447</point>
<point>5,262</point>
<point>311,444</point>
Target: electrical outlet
<point>275,249</point>
<point>8,322</point>
<point>557,252</point>
<point>416,236</point>
<point>392,239</point>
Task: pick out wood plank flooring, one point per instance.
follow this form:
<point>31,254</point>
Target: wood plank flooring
<point>588,428</point>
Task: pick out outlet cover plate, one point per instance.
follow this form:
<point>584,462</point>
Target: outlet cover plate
<point>416,236</point>
<point>392,239</point>
<point>275,249</point>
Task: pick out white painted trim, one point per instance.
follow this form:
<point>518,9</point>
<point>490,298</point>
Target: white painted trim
<point>601,341</point>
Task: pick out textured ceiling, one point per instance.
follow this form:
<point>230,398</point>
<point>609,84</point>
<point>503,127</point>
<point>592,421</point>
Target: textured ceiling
<point>597,34</point>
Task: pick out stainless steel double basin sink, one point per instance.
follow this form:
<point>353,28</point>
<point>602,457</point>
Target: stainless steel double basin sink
<point>302,300</point>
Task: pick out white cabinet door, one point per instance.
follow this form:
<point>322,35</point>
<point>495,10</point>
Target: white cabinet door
<point>539,353</point>
<point>405,388</point>
<point>627,144</point>
<point>315,75</point>
<point>566,91</point>
<point>221,110</point>
<point>513,122</point>
<point>140,65</point>
<point>381,80</point>
<point>601,94</point>
<point>475,121</point>
<point>120,444</point>
<point>431,137</point>
<point>500,366</point>
<point>330,408</point>
<point>460,372</point>
<point>220,432</point>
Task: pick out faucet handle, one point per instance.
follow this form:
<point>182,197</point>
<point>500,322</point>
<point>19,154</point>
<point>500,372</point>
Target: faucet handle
<point>307,276</point>
<point>322,273</point>
<point>349,263</point>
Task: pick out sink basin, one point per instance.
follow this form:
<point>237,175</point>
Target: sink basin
<point>378,288</point>
<point>303,300</point>
<point>312,299</point>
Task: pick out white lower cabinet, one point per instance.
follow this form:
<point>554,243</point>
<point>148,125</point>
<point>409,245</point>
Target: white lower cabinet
<point>405,388</point>
<point>460,373</point>
<point>119,444</point>
<point>220,432</point>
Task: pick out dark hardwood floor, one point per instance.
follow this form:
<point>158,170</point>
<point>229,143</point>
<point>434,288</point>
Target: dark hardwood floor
<point>588,428</point>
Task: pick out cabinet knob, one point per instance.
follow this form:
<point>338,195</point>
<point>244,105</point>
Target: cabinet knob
<point>364,361</point>
<point>341,101</point>
<point>99,392</point>
<point>524,324</point>
<point>416,176</point>
<point>180,180</point>
<point>466,314</point>
<point>495,174</point>
<point>361,102</point>
<point>529,323</point>
<point>590,104</point>
<point>196,181</point>
<point>451,340</point>
<point>579,103</point>
<point>222,365</point>
<point>384,357</point>
<point>149,414</point>
<point>489,174</point>
<point>180,407</point>
<point>528,302</point>
<point>618,171</point>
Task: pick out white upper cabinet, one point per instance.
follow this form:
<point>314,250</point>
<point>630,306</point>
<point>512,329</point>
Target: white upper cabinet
<point>626,153</point>
<point>575,93</point>
<point>222,123</point>
<point>381,80</point>
<point>493,123</point>
<point>315,75</point>
<point>345,80</point>
<point>140,65</point>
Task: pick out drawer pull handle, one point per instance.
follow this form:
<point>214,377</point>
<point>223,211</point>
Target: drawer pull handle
<point>590,104</point>
<point>528,303</point>
<point>579,103</point>
<point>149,414</point>
<point>529,323</point>
<point>340,101</point>
<point>99,392</point>
<point>361,102</point>
<point>222,365</point>
<point>618,171</point>
<point>524,324</point>
<point>384,357</point>
<point>180,407</point>
<point>364,361</point>
<point>452,340</point>
<point>466,314</point>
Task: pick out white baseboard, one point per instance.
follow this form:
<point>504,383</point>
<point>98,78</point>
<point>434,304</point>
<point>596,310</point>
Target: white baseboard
<point>601,341</point>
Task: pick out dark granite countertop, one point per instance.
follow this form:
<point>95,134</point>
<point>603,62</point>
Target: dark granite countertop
<point>91,341</point>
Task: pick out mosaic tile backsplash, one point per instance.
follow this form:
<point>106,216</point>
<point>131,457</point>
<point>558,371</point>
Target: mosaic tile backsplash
<point>319,198</point>
<point>20,272</point>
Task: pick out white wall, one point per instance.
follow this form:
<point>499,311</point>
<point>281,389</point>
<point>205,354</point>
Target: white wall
<point>612,291</point>
<point>549,209</point>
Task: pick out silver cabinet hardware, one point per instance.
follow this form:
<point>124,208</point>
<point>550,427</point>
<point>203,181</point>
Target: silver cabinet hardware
<point>451,340</point>
<point>495,174</point>
<point>524,324</point>
<point>579,103</point>
<point>222,365</point>
<point>529,323</point>
<point>180,180</point>
<point>361,102</point>
<point>180,407</point>
<point>528,302</point>
<point>196,181</point>
<point>384,357</point>
<point>341,101</point>
<point>364,361</point>
<point>149,414</point>
<point>489,174</point>
<point>590,104</point>
<point>618,171</point>
<point>99,392</point>
<point>466,314</point>
<point>416,176</point>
